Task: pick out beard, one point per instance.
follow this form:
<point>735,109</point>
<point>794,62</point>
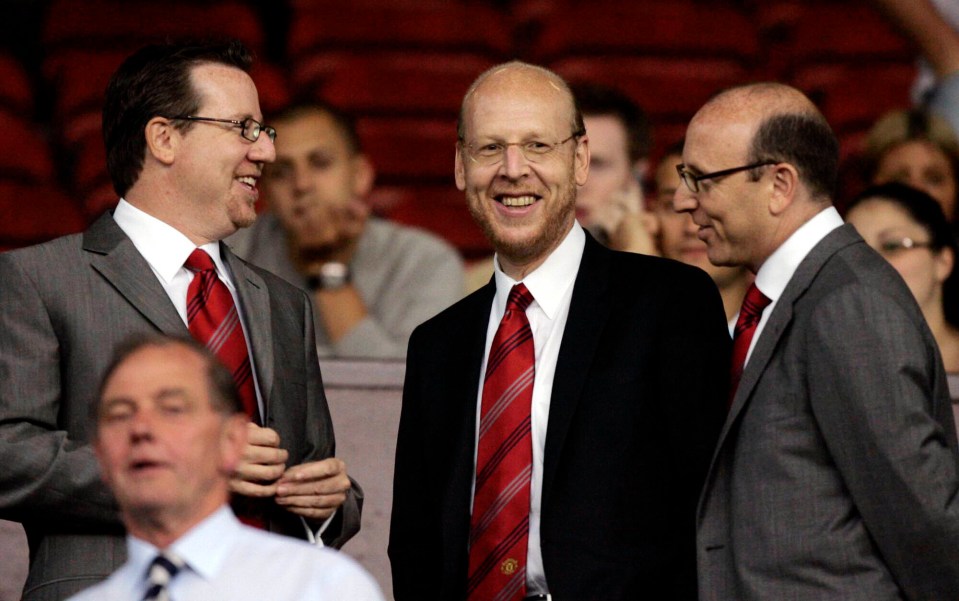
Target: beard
<point>550,231</point>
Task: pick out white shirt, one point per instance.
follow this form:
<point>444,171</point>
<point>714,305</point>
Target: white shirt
<point>551,285</point>
<point>229,561</point>
<point>778,269</point>
<point>166,249</point>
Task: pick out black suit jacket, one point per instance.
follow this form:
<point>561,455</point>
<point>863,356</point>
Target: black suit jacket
<point>637,403</point>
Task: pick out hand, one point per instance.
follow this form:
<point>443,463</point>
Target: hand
<point>324,232</point>
<point>314,490</point>
<point>635,228</point>
<point>262,464</point>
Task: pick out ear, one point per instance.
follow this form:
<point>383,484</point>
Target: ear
<point>233,437</point>
<point>945,263</point>
<point>161,139</point>
<point>459,170</point>
<point>581,160</point>
<point>363,176</point>
<point>785,185</point>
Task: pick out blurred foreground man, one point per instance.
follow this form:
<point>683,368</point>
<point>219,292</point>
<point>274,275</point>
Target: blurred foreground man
<point>557,423</point>
<point>836,472</point>
<point>170,431</point>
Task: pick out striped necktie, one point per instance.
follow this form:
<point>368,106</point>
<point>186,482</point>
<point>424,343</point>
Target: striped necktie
<point>499,526</point>
<point>213,320</point>
<point>162,570</point>
<point>749,316</point>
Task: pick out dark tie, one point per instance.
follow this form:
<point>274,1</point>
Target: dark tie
<point>749,316</point>
<point>162,570</point>
<point>499,526</point>
<point>213,320</point>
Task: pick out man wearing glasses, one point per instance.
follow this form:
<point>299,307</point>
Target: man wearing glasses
<point>557,423</point>
<point>185,150</point>
<point>835,476</point>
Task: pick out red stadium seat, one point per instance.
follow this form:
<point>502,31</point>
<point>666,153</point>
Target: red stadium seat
<point>405,149</point>
<point>27,158</point>
<point>33,213</point>
<point>391,83</point>
<point>16,93</point>
<point>319,25</point>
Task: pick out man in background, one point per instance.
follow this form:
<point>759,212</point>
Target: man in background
<point>170,431</point>
<point>371,281</point>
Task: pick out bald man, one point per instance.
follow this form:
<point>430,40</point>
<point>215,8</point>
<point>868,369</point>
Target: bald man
<point>835,476</point>
<point>615,423</point>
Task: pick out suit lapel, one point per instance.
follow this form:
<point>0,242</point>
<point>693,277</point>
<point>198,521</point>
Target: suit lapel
<point>114,256</point>
<point>254,301</point>
<point>588,312</point>
<point>781,316</point>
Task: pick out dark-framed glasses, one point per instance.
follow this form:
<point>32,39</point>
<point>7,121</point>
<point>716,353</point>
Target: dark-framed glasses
<point>692,180</point>
<point>897,245</point>
<point>534,151</point>
<point>249,128</point>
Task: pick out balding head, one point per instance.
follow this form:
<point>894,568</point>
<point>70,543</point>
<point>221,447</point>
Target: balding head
<point>783,125</point>
<point>520,77</point>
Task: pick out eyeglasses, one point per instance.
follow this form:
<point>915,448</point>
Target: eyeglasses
<point>692,180</point>
<point>892,247</point>
<point>535,151</point>
<point>249,128</point>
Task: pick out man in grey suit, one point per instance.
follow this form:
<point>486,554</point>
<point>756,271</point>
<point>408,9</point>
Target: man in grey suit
<point>835,476</point>
<point>185,150</point>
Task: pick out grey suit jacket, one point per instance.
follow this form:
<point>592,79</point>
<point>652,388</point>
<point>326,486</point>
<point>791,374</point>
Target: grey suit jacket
<point>64,305</point>
<point>835,476</point>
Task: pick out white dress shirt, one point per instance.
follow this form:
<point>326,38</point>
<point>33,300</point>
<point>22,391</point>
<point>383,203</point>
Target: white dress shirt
<point>551,285</point>
<point>229,561</point>
<point>778,269</point>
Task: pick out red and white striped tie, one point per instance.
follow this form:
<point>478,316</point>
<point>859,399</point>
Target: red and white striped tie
<point>499,527</point>
<point>213,320</point>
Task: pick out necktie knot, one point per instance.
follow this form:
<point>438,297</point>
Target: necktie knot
<point>162,570</point>
<point>519,298</point>
<point>752,308</point>
<point>199,261</point>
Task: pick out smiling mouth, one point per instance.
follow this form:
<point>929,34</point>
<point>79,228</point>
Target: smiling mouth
<point>248,180</point>
<point>516,201</point>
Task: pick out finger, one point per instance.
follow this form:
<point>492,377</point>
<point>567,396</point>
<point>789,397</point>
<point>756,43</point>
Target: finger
<point>265,455</point>
<point>315,470</point>
<point>265,437</point>
<point>332,485</point>
<point>311,513</point>
<point>322,502</point>
<point>251,472</point>
<point>250,489</point>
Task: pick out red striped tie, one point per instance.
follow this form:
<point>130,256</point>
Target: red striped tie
<point>749,316</point>
<point>499,527</point>
<point>213,320</point>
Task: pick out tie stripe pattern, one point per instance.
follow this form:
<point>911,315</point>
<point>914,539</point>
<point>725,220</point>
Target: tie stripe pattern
<point>749,316</point>
<point>499,526</point>
<point>162,570</point>
<point>213,320</point>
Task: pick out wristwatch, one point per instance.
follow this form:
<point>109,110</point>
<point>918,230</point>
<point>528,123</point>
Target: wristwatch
<point>329,276</point>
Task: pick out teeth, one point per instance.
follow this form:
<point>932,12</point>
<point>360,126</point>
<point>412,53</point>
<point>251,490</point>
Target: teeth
<point>250,181</point>
<point>518,201</point>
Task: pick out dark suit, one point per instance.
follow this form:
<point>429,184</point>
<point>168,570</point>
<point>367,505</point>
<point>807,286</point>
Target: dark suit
<point>835,477</point>
<point>637,402</point>
<point>64,305</point>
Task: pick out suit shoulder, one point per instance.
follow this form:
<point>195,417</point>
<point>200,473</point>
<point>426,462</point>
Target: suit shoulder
<point>636,270</point>
<point>463,311</point>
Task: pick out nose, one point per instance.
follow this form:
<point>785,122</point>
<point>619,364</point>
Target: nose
<point>263,150</point>
<point>141,425</point>
<point>302,181</point>
<point>683,200</point>
<point>515,164</point>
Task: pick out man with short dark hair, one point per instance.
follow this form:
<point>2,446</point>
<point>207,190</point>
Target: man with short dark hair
<point>185,148</point>
<point>835,476</point>
<point>557,423</point>
<point>371,281</point>
<point>170,430</point>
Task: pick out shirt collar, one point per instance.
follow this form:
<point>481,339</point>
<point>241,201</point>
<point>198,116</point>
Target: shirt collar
<point>549,282</point>
<point>204,547</point>
<point>778,269</point>
<point>164,247</point>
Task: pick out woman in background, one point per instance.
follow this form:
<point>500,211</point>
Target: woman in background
<point>908,228</point>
